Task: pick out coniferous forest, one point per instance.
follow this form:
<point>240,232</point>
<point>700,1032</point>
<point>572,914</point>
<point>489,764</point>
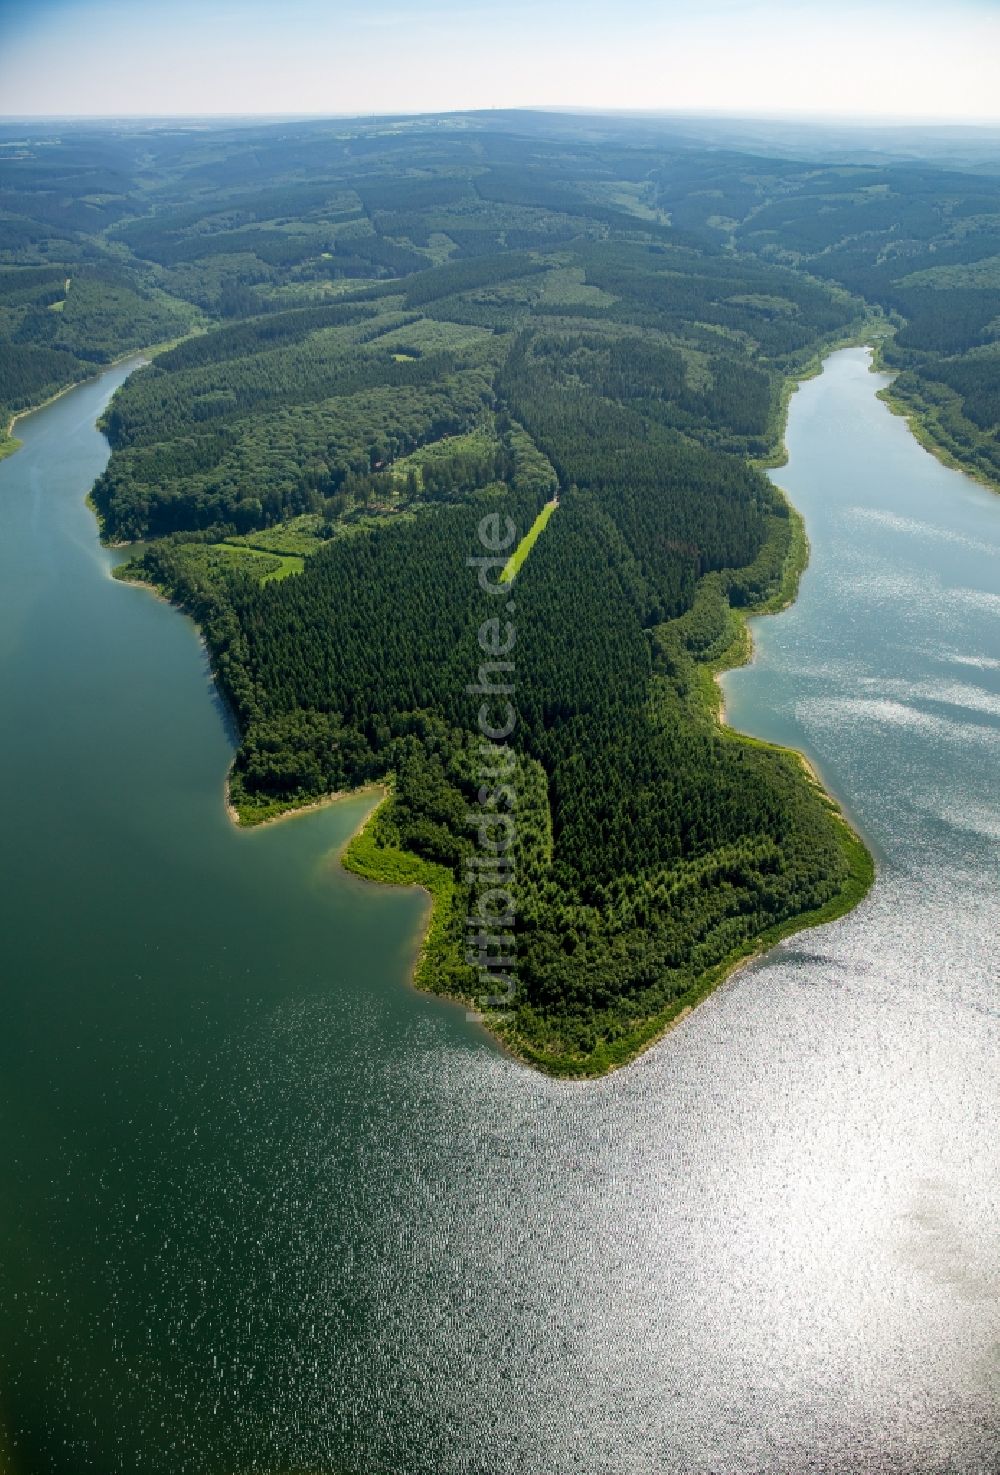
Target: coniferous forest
<point>388,335</point>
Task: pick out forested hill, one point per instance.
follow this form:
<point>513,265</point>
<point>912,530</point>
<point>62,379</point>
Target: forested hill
<point>112,239</point>
<point>393,331</point>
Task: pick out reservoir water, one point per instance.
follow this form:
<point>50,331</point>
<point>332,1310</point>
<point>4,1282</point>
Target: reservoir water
<point>265,1209</point>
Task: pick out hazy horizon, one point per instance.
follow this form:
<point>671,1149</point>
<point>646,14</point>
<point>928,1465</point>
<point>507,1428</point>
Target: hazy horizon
<point>582,110</point>
<point>883,63</point>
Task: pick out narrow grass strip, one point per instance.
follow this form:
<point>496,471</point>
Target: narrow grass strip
<point>513,565</point>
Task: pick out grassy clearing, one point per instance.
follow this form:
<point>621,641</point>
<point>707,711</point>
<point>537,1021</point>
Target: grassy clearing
<point>212,560</point>
<point>478,444</point>
<point>298,537</point>
<point>364,856</point>
<point>428,335</point>
<point>275,565</point>
<point>479,441</point>
<point>440,247</point>
<point>628,195</point>
<point>516,560</point>
<point>567,286</point>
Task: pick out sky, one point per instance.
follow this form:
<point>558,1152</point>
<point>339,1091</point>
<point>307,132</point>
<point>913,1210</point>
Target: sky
<point>899,59</point>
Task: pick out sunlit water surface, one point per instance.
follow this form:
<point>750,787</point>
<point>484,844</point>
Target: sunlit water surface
<point>266,1209</point>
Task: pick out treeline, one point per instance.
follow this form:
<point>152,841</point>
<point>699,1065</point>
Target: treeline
<point>29,375</point>
<point>681,510</point>
<point>652,848</point>
<point>921,242</point>
<point>253,471</point>
<point>461,276</point>
<point>670,845</point>
<point>58,324</point>
<point>260,334</point>
<point>163,402</point>
<point>658,847</point>
<point>576,342</point>
<point>769,306</point>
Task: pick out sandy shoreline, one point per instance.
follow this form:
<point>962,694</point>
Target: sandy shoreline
<point>323,802</point>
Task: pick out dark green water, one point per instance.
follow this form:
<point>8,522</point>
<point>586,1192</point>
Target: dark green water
<point>265,1209</point>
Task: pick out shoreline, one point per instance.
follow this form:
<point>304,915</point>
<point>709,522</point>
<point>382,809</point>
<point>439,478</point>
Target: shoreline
<point>865,333</point>
<point>10,445</point>
<point>923,426</point>
<point>293,810</point>
<point>232,813</point>
<point>402,870</point>
<point>399,868</point>
<point>644,1037</point>
<point>861,862</point>
<point>742,652</point>
<point>99,369</point>
<point>354,866</point>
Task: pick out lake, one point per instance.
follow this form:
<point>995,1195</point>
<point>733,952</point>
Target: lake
<point>266,1209</point>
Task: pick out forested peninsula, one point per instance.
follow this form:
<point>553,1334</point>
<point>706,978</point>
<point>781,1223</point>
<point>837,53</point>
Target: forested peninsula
<point>392,336</point>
